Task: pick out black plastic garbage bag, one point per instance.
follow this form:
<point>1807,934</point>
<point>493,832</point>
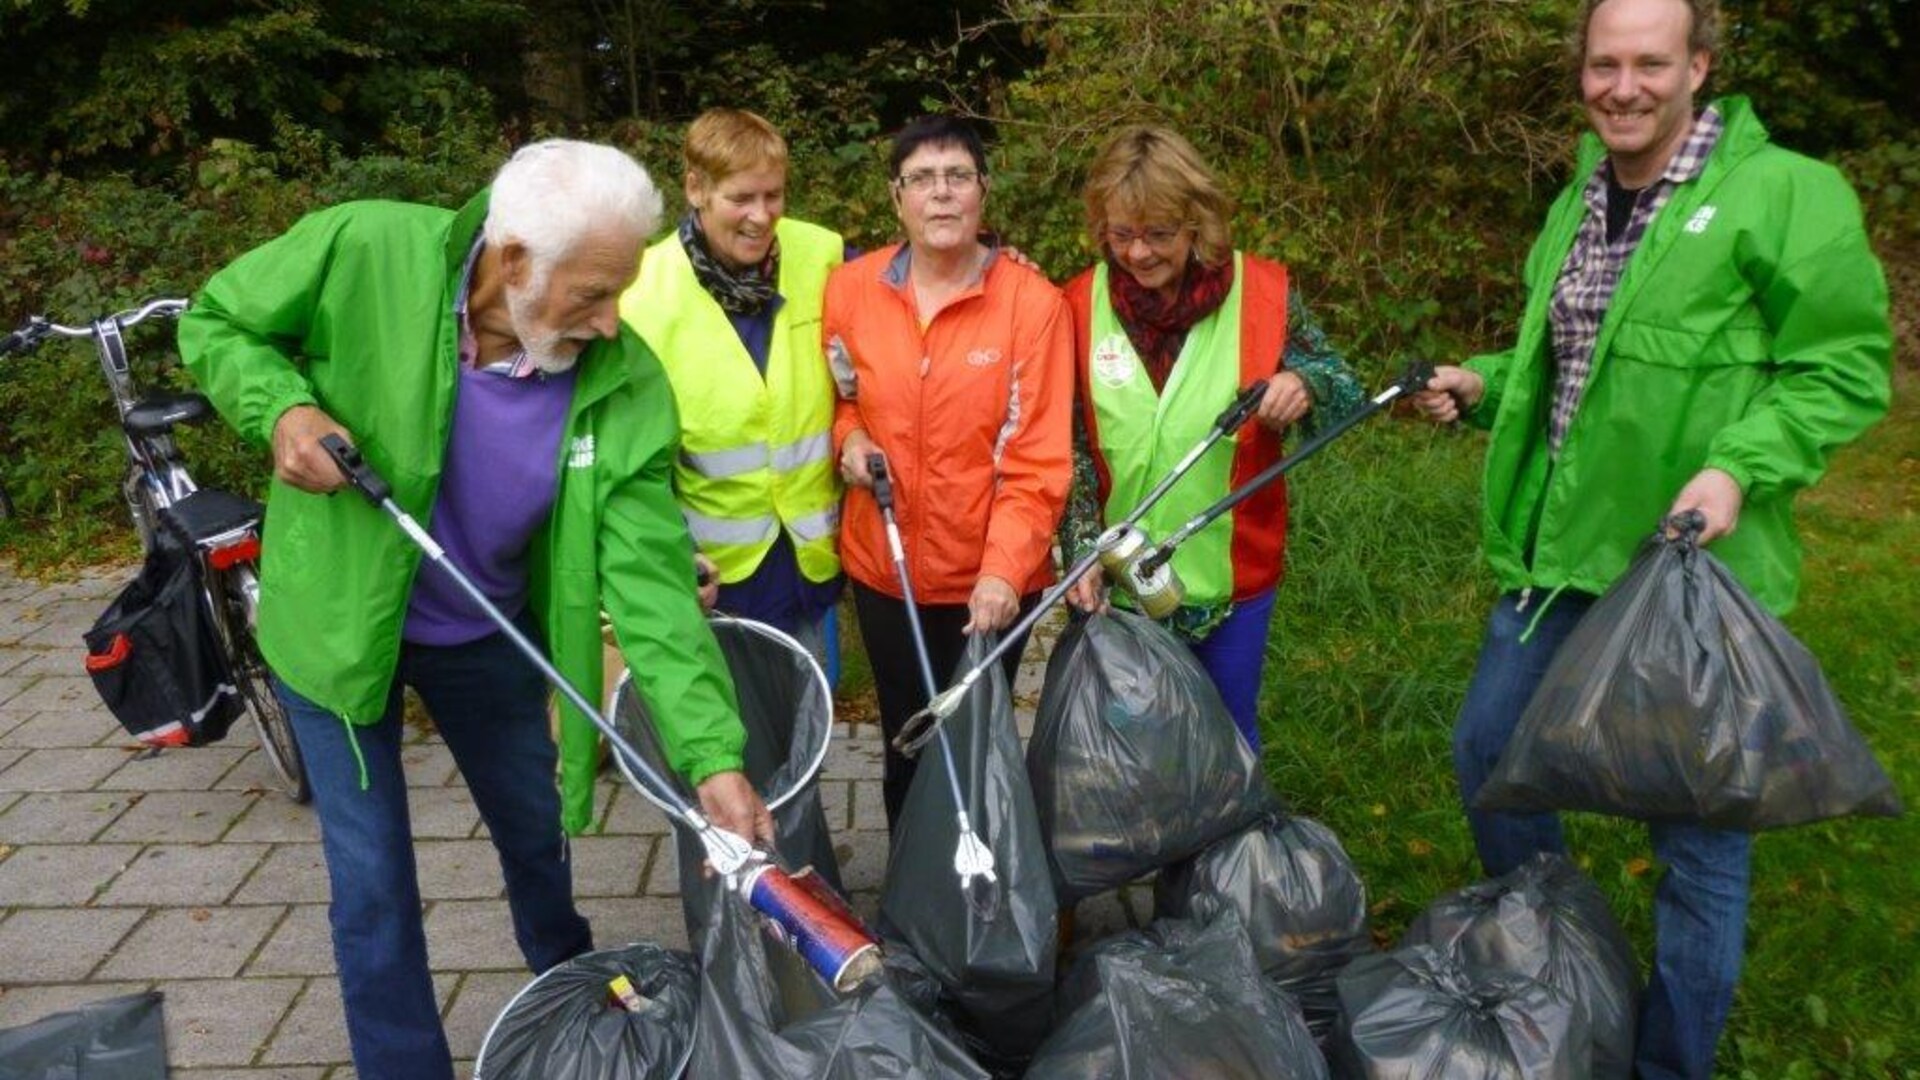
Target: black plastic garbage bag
<point>568,1024</point>
<point>747,1028</point>
<point>788,712</point>
<point>1179,999</point>
<point>1679,698</point>
<point>996,972</point>
<point>1418,1013</point>
<point>1135,761</point>
<point>1548,921</point>
<point>121,1038</point>
<point>1297,892</point>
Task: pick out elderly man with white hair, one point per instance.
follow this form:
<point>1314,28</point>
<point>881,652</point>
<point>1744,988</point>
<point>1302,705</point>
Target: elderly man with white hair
<point>478,360</point>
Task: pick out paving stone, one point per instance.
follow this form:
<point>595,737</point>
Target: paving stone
<point>7,757</point>
<point>869,805</point>
<point>291,874</point>
<point>61,770</point>
<point>458,869</point>
<point>836,803</point>
<point>632,814</point>
<point>252,773</point>
<point>444,813</point>
<point>301,945</point>
<point>26,1004</point>
<point>471,935</point>
<point>853,760</point>
<point>476,1004</point>
<point>60,728</point>
<point>610,865</point>
<point>226,1021</point>
<point>61,817</point>
<point>59,693</point>
<point>12,685</point>
<point>271,1073</point>
<point>185,875</point>
<point>192,943</point>
<point>180,817</point>
<point>863,859</point>
<point>663,870</point>
<point>60,944</point>
<point>195,768</point>
<point>315,1031</point>
<point>44,875</point>
<point>428,765</point>
<point>648,918</point>
<point>60,623</point>
<point>275,819</point>
<point>38,662</point>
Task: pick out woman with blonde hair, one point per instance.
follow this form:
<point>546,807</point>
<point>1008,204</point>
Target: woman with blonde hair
<point>1169,327</point>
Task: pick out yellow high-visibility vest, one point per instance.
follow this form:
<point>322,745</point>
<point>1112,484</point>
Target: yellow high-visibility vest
<point>756,453</point>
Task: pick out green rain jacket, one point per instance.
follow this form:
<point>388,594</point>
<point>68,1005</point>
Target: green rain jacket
<point>1749,333</point>
<point>352,310</point>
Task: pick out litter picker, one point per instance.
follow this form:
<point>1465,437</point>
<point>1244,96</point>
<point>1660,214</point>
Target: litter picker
<point>1122,535</point>
<point>824,933</point>
<point>972,859</point>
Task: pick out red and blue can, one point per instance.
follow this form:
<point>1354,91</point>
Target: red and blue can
<point>816,923</point>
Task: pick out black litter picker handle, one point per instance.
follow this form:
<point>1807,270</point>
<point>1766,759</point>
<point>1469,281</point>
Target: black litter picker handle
<point>1242,408</point>
<point>359,474</point>
<point>882,480</point>
<point>1413,379</point>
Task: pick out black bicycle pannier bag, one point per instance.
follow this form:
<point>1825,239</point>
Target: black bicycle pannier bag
<point>155,659</point>
<point>1679,698</point>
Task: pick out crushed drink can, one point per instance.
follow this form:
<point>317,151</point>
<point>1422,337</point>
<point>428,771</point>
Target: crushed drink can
<point>815,923</point>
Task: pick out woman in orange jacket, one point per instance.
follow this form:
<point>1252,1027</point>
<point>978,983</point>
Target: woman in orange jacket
<point>956,363</point>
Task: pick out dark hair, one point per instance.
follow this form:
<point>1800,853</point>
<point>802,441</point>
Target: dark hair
<point>936,131</point>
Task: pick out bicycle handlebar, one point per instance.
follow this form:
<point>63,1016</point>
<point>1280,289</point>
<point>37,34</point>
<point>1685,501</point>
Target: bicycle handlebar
<point>38,328</point>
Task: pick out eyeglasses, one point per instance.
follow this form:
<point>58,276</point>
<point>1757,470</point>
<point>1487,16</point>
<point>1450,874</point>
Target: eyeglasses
<point>924,179</point>
<point>1159,238</point>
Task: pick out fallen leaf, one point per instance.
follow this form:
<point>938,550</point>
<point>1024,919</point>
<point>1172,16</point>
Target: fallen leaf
<point>1639,867</point>
<point>1379,809</point>
<point>199,914</point>
<point>1419,849</point>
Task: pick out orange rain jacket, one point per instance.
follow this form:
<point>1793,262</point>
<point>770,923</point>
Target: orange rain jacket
<point>974,413</point>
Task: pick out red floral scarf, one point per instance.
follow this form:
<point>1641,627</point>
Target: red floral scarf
<point>1157,326</point>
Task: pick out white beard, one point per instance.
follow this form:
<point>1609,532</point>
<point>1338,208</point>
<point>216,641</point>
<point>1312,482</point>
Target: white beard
<point>542,346</point>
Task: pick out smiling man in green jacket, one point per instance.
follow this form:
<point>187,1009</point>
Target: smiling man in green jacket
<point>1705,325</point>
<point>478,360</point>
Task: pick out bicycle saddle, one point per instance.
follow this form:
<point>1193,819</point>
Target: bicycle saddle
<point>156,414</point>
<point>210,512</point>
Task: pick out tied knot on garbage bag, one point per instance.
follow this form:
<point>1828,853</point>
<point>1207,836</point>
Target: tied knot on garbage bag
<point>1419,1012</point>
<point>1549,922</point>
<point>1679,698</point>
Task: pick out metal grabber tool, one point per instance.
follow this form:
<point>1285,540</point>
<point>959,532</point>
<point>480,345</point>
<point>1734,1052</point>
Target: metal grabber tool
<point>746,869</point>
<point>1123,535</point>
<point>1149,565</point>
<point>972,859</point>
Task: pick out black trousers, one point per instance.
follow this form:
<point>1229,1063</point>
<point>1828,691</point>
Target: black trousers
<point>896,669</point>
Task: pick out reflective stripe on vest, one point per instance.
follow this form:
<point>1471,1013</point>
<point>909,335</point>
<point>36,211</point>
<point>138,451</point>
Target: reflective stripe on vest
<point>1144,433</point>
<point>756,450</point>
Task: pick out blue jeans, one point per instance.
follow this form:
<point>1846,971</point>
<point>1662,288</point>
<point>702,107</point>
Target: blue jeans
<point>1234,656</point>
<point>489,705</point>
<point>1700,906</point>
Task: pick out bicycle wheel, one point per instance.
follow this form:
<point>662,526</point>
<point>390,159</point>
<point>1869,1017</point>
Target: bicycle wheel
<point>250,674</point>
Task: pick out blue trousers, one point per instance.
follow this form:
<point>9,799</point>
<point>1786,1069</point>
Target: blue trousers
<point>1235,655</point>
<point>1700,905</point>
<point>489,704</point>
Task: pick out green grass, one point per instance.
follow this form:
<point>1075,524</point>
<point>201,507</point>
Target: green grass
<point>1374,640</point>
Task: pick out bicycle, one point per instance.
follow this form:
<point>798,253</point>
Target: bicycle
<point>220,529</point>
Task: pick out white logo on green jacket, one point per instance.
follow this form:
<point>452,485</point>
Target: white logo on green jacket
<point>1114,362</point>
<point>1698,222</point>
<point>580,453</point>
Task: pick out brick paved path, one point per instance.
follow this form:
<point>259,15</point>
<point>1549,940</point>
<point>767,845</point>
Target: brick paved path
<point>187,872</point>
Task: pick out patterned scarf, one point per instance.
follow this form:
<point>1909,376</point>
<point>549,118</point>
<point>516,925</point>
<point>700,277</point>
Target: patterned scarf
<point>738,292</point>
<point>1157,326</point>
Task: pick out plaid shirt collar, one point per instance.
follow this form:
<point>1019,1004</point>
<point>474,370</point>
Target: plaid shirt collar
<point>1687,164</point>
